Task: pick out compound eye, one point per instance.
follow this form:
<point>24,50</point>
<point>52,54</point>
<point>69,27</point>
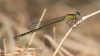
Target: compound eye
<point>78,13</point>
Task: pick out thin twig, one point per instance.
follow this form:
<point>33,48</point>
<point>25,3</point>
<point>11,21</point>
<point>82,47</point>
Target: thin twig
<point>55,44</point>
<point>54,34</point>
<point>4,46</point>
<point>83,18</point>
<point>62,42</point>
<point>37,27</point>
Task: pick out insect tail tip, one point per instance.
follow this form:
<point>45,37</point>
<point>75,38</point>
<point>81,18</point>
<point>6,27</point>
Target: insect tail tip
<point>15,37</point>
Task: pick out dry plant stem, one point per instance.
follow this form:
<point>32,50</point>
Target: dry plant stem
<point>54,28</point>
<point>83,18</point>
<point>4,19</point>
<point>34,53</point>
<point>55,44</point>
<point>90,15</point>
<point>62,43</point>
<point>4,46</point>
<point>37,26</point>
<point>54,33</point>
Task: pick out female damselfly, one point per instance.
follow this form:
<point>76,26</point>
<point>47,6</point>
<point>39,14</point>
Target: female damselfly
<point>72,18</point>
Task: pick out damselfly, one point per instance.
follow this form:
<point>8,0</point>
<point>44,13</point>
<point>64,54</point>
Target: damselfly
<point>72,18</point>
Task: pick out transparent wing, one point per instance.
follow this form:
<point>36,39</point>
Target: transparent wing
<point>33,25</point>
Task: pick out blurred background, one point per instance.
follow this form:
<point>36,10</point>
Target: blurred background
<point>16,15</point>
